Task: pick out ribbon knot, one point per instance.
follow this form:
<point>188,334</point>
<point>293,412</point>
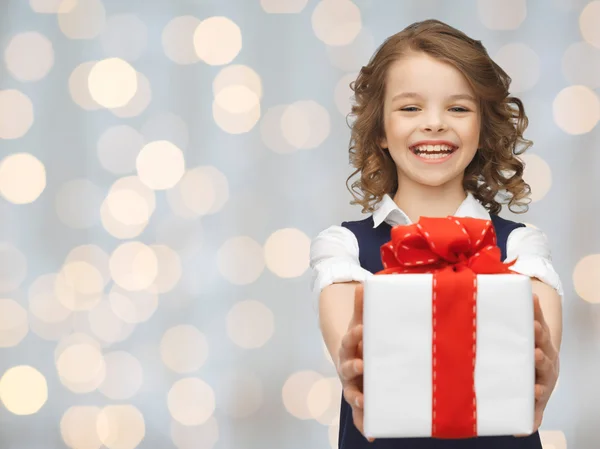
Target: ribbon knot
<point>433,244</point>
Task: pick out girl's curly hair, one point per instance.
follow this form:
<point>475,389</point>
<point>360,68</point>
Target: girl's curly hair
<point>495,175</point>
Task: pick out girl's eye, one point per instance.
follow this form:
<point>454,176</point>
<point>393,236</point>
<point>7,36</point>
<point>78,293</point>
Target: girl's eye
<point>455,109</point>
<point>459,109</point>
<point>409,109</point>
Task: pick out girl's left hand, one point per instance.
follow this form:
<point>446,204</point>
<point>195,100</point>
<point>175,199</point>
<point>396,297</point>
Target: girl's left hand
<point>546,363</point>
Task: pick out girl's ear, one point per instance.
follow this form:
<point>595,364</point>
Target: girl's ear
<point>383,143</point>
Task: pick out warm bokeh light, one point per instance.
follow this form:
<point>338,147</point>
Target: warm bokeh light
<point>29,56</point>
<point>323,400</point>
<point>586,278</point>
<point>121,426</point>
<point>203,436</point>
<point>589,23</point>
<point>508,15</point>
<point>236,99</point>
<point>16,114</point>
<point>81,19</point>
<point>79,285</point>
<point>295,393</point>
<point>81,367</point>
<point>169,268</point>
<point>125,36</point>
<point>78,427</point>
<point>133,266</point>
<point>78,202</point>
<point>217,40</point>
<point>272,133</point>
<point>112,82</point>
<point>52,6</point>
<point>203,190</point>
<point>22,178</point>
<point>183,348</point>
<point>538,175</point>
<point>78,86</point>
<point>178,40</point>
<point>191,401</point>
<point>287,252</point>
<point>43,302</point>
<point>576,109</point>
<point>105,324</point>
<point>23,390</point>
<point>118,148</point>
<point>133,307</point>
<point>160,165</point>
<point>234,123</point>
<point>13,267</point>
<point>140,101</point>
<point>128,207</point>
<point>283,6</point>
<point>250,324</point>
<point>553,439</point>
<point>336,22</point>
<point>124,376</point>
<point>305,124</point>
<point>13,323</point>
<point>238,75</point>
<point>240,260</point>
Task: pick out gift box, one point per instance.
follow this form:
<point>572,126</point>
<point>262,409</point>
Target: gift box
<point>448,341</point>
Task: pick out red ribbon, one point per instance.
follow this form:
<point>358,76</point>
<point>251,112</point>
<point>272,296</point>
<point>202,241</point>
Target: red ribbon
<point>455,250</point>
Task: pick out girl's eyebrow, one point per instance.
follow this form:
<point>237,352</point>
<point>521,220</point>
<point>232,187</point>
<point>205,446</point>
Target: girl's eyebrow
<point>450,97</point>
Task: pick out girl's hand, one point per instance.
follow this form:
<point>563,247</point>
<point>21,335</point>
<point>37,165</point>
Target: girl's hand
<point>546,363</point>
<point>350,365</point>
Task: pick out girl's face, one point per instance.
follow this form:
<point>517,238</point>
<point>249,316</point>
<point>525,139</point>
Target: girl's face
<point>431,121</point>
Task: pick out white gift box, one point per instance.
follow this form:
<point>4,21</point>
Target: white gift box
<point>397,351</point>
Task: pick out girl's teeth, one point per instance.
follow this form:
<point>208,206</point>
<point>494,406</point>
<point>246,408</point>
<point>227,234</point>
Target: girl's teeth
<point>433,155</point>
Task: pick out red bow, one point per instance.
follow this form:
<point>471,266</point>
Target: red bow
<point>455,250</point>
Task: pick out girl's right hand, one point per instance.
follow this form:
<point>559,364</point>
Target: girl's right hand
<point>350,365</point>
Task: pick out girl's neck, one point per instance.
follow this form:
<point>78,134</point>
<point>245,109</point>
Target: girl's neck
<point>423,201</point>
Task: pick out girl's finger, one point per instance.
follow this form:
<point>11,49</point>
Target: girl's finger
<point>350,340</point>
<point>354,397</point>
<point>351,368</point>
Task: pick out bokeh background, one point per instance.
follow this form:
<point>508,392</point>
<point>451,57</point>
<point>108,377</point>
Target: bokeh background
<point>164,165</point>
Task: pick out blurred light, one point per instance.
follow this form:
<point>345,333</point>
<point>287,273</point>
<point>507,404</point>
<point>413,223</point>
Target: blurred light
<point>238,75</point>
<point>191,401</point>
<point>133,266</point>
<point>43,303</point>
<point>217,40</point>
<point>22,178</point>
<point>118,148</point>
<point>336,22</point>
<point>133,307</point>
<point>140,100</point>
<point>183,348</point>
<point>160,165</point>
<point>112,82</point>
<point>203,190</point>
<point>295,393</point>
<point>107,325</point>
<point>52,6</point>
<point>82,19</point>
<point>178,40</point>
<point>323,400</point>
<point>16,114</point>
<point>79,285</point>
<point>287,252</point>
<point>13,267</point>
<point>250,324</point>
<point>78,86</point>
<point>169,268</point>
<point>78,203</point>
<point>508,15</point>
<point>81,368</point>
<point>235,123</point>
<point>589,23</point>
<point>586,278</point>
<point>305,124</point>
<point>240,260</point>
<point>237,99</point>
<point>124,376</point>
<point>29,56</point>
<point>576,109</point>
<point>23,390</point>
<point>125,36</point>
<point>121,426</point>
<point>538,175</point>
<point>78,427</point>
<point>272,133</point>
<point>128,207</point>
<point>13,323</point>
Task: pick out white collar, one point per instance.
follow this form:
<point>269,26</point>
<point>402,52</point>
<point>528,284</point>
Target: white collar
<point>388,211</point>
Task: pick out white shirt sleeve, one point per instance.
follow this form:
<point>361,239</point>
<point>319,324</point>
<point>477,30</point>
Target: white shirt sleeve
<point>334,258</point>
<point>531,249</point>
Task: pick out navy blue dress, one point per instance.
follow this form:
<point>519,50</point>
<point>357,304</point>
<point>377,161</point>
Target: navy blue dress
<point>370,240</point>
